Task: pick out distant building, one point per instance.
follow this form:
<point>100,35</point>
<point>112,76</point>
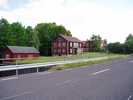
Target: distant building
<point>103,44</point>
<point>65,45</point>
<point>87,46</point>
<point>20,52</point>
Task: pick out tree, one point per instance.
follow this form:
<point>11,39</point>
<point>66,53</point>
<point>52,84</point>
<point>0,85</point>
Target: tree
<point>36,41</point>
<point>96,42</point>
<point>126,47</point>
<point>17,34</point>
<point>4,32</point>
<point>129,44</point>
<point>47,32</point>
<point>41,36</point>
<point>29,35</point>
<point>116,47</point>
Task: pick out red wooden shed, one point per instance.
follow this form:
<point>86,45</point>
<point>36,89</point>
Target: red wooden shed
<point>20,52</point>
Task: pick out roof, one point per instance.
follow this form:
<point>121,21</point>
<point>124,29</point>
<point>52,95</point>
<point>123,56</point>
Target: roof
<point>22,49</point>
<point>84,42</point>
<point>70,38</point>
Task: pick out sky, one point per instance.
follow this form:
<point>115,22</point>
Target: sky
<point>112,19</point>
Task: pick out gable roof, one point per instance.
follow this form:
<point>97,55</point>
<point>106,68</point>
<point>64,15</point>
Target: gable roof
<point>22,49</point>
<point>69,38</point>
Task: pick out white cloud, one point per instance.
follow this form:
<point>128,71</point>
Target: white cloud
<point>4,4</point>
<point>82,18</point>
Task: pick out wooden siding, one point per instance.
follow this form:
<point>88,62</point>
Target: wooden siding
<point>9,54</point>
<point>60,46</point>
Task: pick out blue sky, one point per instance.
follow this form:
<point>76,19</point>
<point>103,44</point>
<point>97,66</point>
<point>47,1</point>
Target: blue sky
<point>115,4</point>
<point>112,19</point>
<point>13,4</point>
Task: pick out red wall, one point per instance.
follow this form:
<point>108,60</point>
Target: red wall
<point>9,54</point>
<point>61,49</point>
<point>60,46</point>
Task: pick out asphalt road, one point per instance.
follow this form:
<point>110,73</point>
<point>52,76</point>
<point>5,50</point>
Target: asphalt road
<point>110,81</point>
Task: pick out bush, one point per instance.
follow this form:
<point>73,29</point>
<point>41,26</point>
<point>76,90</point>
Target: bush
<point>116,48</point>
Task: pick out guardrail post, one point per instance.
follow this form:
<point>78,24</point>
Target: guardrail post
<point>37,70</point>
<point>16,69</point>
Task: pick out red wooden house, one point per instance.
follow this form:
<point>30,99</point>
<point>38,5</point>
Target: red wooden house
<point>20,52</point>
<point>65,45</point>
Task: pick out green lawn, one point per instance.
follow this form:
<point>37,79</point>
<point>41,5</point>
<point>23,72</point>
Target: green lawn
<point>63,58</point>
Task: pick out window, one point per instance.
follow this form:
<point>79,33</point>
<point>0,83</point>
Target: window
<point>59,50</point>
<point>18,56</point>
<point>63,44</point>
<point>55,44</point>
<point>30,56</point>
<point>71,44</point>
<point>71,51</point>
<point>80,45</point>
<point>63,50</point>
<point>55,50</point>
<point>7,56</point>
<point>59,44</point>
<point>75,45</point>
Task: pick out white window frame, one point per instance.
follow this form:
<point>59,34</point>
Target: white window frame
<point>71,44</point>
<point>71,50</point>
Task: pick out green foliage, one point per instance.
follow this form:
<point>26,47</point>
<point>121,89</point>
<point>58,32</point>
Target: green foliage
<point>129,44</point>
<point>29,36</point>
<point>36,42</point>
<point>47,32</point>
<point>40,37</point>
<point>96,42</point>
<point>116,47</point>
<point>17,34</point>
<point>126,47</point>
<point>4,32</point>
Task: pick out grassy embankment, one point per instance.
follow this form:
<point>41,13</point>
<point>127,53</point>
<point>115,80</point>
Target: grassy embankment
<point>88,63</point>
<point>44,59</point>
<point>90,55</point>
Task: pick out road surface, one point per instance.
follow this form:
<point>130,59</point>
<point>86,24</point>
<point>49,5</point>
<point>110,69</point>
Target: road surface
<point>110,81</point>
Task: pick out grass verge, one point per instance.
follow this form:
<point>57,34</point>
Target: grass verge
<point>44,59</point>
<point>88,63</point>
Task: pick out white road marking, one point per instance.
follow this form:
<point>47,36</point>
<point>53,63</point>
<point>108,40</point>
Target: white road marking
<point>129,98</point>
<point>17,95</point>
<point>131,61</point>
<point>100,71</point>
<point>65,82</point>
<point>8,78</point>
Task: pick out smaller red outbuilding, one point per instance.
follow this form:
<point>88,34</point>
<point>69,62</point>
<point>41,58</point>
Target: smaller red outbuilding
<point>20,52</point>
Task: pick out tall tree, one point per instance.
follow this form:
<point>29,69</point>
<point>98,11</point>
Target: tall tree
<point>129,44</point>
<point>17,34</point>
<point>47,32</point>
<point>4,32</point>
<point>36,41</point>
<point>29,33</point>
<point>96,42</point>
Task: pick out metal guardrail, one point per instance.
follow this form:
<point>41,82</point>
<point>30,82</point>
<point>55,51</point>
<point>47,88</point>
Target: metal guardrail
<point>38,67</point>
<point>16,69</point>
